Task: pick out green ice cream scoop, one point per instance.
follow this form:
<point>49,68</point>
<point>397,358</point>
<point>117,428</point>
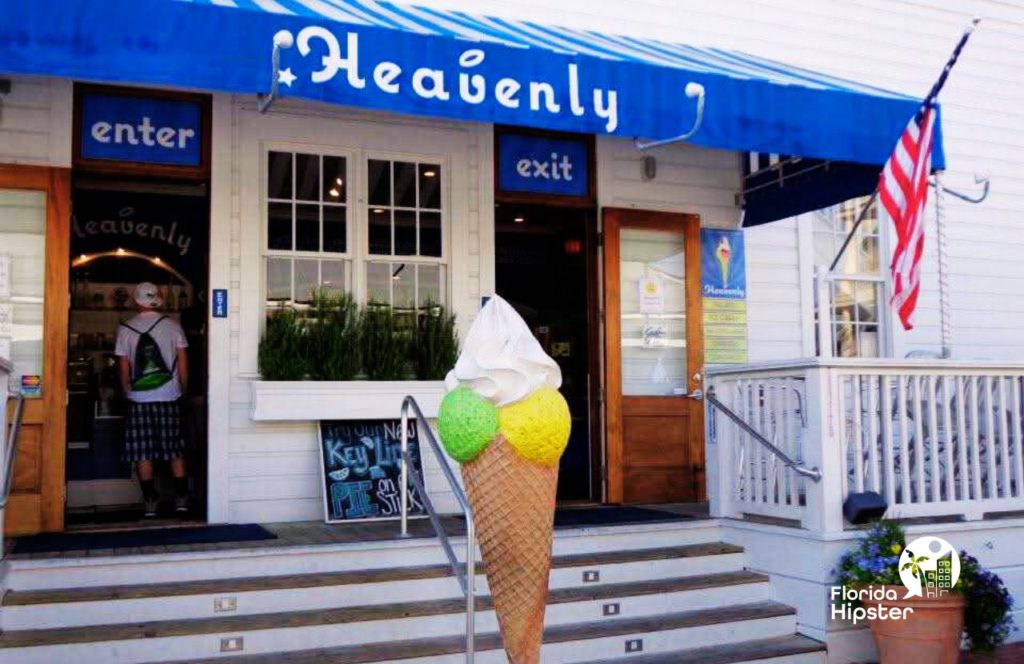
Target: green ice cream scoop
<point>467,422</point>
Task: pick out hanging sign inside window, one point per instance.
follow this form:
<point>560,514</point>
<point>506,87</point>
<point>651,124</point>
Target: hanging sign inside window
<point>724,290</point>
<point>532,164</point>
<point>141,130</point>
<point>5,276</point>
<point>360,461</point>
<point>651,294</point>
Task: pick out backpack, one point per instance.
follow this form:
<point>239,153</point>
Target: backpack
<point>150,370</point>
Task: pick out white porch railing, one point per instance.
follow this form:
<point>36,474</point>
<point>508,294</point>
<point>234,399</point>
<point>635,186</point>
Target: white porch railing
<point>934,437</point>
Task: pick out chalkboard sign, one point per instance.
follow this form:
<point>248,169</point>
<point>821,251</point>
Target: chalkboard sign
<point>360,461</point>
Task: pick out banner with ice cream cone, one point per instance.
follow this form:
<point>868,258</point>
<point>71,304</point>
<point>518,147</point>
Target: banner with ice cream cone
<point>724,289</point>
<point>506,423</point>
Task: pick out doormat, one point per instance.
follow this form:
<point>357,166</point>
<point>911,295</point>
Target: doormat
<point>55,542</point>
<point>612,516</point>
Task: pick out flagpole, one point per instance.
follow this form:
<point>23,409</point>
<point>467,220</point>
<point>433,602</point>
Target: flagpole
<point>945,324</point>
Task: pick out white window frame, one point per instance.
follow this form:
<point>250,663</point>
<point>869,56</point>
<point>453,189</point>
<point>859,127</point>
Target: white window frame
<point>809,285</point>
<point>357,252</point>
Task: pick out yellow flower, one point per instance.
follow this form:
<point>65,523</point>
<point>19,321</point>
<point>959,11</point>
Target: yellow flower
<point>896,548</point>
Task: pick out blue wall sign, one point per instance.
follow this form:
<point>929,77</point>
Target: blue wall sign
<point>220,303</point>
<point>542,165</point>
<point>723,264</point>
<point>141,130</point>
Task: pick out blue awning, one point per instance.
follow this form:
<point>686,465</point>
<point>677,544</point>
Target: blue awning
<point>449,64</point>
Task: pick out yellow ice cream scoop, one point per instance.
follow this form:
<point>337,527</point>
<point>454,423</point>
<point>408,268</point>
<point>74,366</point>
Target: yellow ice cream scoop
<point>538,426</point>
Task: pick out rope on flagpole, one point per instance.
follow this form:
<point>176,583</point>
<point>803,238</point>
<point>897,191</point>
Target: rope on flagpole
<point>945,324</point>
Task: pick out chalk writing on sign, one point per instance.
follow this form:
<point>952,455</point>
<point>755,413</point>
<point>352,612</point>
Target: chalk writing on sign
<point>361,464</point>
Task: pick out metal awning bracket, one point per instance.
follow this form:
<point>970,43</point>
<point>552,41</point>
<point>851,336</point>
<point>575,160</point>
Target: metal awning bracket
<point>983,180</point>
<point>693,90</point>
<point>282,39</point>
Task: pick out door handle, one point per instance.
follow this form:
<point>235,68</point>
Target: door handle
<point>697,395</point>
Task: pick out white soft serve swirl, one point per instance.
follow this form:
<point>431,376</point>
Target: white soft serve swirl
<point>500,359</point>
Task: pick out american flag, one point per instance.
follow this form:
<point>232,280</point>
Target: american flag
<point>903,191</point>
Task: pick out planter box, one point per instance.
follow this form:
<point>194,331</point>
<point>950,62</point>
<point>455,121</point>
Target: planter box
<point>341,400</point>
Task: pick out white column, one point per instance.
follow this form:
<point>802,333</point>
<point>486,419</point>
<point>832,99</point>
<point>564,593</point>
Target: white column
<point>823,450</point>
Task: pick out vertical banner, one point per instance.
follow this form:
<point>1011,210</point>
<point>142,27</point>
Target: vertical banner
<point>724,291</point>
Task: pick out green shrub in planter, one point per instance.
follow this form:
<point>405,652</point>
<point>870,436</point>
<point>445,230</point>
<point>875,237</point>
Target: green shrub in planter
<point>435,345</point>
<point>333,336</point>
<point>282,351</point>
<point>384,343</point>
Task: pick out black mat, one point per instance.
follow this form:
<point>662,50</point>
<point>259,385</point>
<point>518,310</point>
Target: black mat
<point>575,517</point>
<point>53,542</point>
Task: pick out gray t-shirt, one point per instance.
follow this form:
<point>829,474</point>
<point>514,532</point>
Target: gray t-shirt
<point>169,336</point>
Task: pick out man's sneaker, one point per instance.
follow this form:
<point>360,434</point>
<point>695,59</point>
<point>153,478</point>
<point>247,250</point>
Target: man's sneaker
<point>151,508</point>
<point>181,504</point>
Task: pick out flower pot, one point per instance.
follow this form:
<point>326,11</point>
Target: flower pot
<point>931,633</point>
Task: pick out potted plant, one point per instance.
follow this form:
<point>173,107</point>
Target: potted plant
<point>977,607</point>
<point>435,344</point>
<point>332,325</point>
<point>282,351</point>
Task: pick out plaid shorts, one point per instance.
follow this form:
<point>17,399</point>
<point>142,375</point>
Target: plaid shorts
<point>153,431</point>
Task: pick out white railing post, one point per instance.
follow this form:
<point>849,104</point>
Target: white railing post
<point>720,441</point>
<point>823,450</point>
<point>5,370</point>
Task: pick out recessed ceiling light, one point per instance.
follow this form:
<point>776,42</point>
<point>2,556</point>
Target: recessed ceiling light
<point>429,174</point>
<point>334,192</point>
<point>338,181</point>
<point>378,211</point>
<point>120,251</point>
<point>519,220</point>
<point>156,259</point>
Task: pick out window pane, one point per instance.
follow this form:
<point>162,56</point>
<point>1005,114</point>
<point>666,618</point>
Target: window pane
<point>867,302</point>
<point>279,226</point>
<point>334,276</point>
<point>379,182</point>
<point>307,227</point>
<point>403,286</point>
<point>279,175</point>
<point>307,177</point>
<point>379,232</point>
<point>429,290</point>
<point>405,233</point>
<point>279,280</point>
<point>23,239</point>
<point>868,249</point>
<point>335,229</point>
<point>378,282</point>
<point>334,180</point>
<point>307,278</point>
<point>430,186</point>
<point>405,184</point>
<point>430,234</point>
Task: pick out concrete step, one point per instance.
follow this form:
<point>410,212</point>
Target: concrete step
<point>793,649</point>
<point>584,642</point>
<point>376,624</point>
<point>274,558</point>
<point>100,605</point>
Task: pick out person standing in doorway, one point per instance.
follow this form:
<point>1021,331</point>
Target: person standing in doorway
<point>151,348</point>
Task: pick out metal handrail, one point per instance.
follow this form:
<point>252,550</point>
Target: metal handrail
<point>797,466</point>
<point>467,575</point>
<point>10,451</point>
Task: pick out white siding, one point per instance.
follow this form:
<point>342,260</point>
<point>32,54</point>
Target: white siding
<point>35,122</point>
<point>897,44</point>
<point>272,467</point>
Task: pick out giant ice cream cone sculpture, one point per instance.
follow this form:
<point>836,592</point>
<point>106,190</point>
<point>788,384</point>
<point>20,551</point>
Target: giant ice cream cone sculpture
<point>506,423</point>
<point>723,252</point>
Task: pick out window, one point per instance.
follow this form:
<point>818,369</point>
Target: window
<point>856,295</point>
<point>404,234</point>
<point>310,218</point>
<point>307,226</point>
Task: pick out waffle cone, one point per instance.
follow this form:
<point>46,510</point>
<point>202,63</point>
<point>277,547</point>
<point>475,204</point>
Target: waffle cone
<point>513,503</point>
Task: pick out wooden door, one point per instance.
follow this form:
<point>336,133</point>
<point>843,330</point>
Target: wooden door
<point>654,357</point>
<point>35,234</point>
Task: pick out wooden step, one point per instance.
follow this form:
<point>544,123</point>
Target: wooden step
<point>321,617</point>
<point>319,580</point>
<point>747,651</point>
<point>448,645</point>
